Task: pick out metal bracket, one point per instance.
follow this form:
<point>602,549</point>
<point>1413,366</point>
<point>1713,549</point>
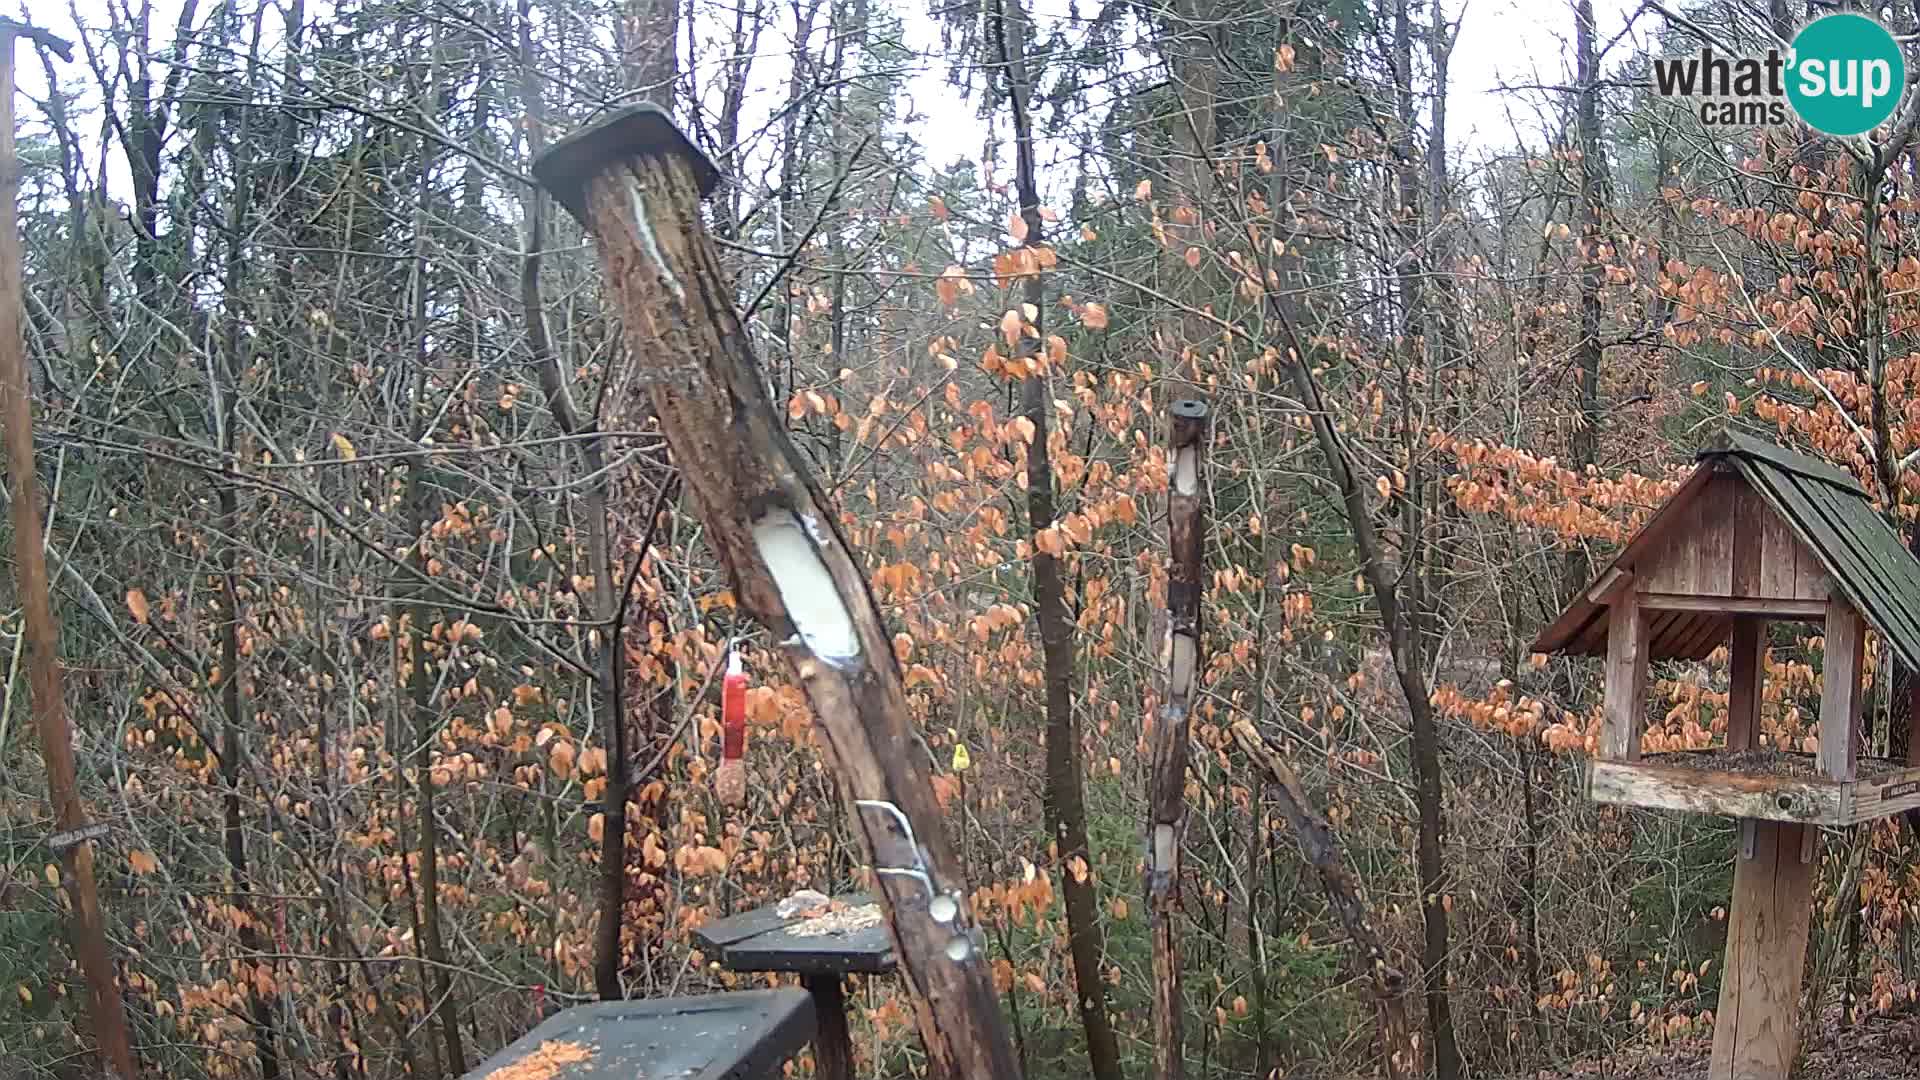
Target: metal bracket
<point>1809,843</point>
<point>61,843</point>
<point>944,907</point>
<point>1749,837</point>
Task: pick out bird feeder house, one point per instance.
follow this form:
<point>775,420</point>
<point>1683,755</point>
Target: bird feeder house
<point>1755,535</point>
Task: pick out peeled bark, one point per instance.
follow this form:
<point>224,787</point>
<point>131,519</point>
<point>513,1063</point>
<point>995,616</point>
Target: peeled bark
<point>1182,660</point>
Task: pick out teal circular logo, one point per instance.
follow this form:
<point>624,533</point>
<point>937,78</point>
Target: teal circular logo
<point>1846,75</point>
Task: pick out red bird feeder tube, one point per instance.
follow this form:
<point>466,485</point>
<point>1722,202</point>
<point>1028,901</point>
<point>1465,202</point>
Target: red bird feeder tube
<point>730,779</point>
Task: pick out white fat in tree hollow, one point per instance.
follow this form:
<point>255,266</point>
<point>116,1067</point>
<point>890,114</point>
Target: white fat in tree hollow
<point>792,557</point>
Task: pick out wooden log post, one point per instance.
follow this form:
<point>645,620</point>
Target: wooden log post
<point>1756,1031</point>
<point>1756,1035</point>
<point>1840,698</point>
<point>73,844</point>
<point>1625,699</point>
<point>1747,683</point>
<point>1399,1046</point>
<point>636,183</point>
<point>1181,661</point>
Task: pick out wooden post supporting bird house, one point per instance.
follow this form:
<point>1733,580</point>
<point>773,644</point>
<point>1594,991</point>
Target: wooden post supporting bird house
<point>636,183</point>
<point>1756,535</point>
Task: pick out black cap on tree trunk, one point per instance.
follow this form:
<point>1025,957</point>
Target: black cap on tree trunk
<point>638,131</point>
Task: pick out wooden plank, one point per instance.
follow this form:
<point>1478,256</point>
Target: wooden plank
<point>1745,693</point>
<point>1756,1033</point>
<point>1626,683</point>
<point>1786,460</point>
<point>1787,568</point>
<point>723,932</point>
<point>868,951</point>
<point>1702,635</point>
<point>1669,567</point>
<point>761,940</point>
<point>1845,653</point>
<point>1611,581</point>
<point>1876,583</point>
<point>1713,543</point>
<point>1884,796</point>
<point>1768,607</point>
<point>1749,515</point>
<point>1700,791</point>
<point>1579,616</point>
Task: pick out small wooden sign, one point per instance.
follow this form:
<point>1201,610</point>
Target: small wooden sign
<point>73,838</point>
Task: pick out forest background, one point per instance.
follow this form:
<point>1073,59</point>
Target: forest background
<point>387,633</point>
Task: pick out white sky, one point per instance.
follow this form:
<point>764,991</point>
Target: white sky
<point>1505,50</point>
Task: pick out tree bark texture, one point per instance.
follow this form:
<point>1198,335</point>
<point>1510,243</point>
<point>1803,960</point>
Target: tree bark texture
<point>1181,660</point>
<point>1593,186</point>
<point>791,568</point>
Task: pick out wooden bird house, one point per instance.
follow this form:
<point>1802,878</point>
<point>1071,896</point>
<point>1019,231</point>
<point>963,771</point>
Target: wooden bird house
<point>1755,535</point>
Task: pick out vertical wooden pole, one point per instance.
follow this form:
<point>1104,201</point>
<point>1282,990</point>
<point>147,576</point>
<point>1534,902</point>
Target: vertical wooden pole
<point>1843,657</point>
<point>1748,680</point>
<point>832,1044</point>
<point>30,573</point>
<point>1166,801</point>
<point>637,184</point>
<point>1756,1032</point>
<point>1626,686</point>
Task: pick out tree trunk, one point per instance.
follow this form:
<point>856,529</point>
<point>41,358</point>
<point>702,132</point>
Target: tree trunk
<point>637,184</point>
<point>1065,800</point>
<point>41,631</point>
<point>648,39</point>
<point>1593,186</point>
<point>425,726</point>
<point>1403,642</point>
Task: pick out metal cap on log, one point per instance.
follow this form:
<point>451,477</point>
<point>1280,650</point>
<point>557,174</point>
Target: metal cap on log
<point>638,131</point>
<point>1189,409</point>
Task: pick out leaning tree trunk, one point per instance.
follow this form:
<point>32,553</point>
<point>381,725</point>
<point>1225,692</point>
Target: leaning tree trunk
<point>73,844</point>
<point>1321,849</point>
<point>636,183</point>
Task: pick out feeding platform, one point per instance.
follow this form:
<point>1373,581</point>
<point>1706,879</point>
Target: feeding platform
<point>748,1035</point>
<point>841,937</point>
<point>1756,534</point>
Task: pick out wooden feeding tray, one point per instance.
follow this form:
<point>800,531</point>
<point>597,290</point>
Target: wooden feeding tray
<point>820,943</point>
<point>1767,785</point>
<point>747,1035</point>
